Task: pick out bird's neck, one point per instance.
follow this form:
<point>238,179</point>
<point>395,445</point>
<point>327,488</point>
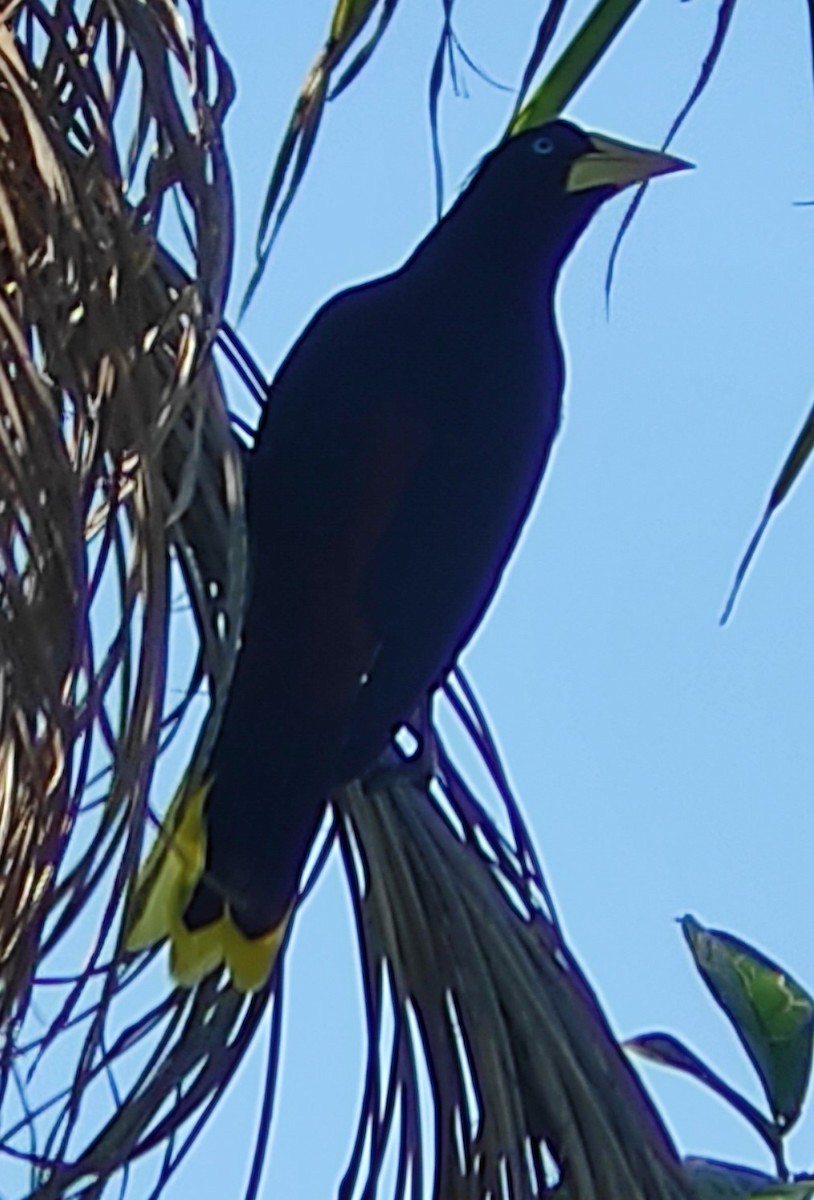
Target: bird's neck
<point>505,261</point>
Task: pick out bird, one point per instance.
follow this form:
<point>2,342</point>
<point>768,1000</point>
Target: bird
<point>404,440</point>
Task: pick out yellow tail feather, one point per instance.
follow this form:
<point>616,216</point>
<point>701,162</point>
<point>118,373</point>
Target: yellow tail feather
<point>165,883</point>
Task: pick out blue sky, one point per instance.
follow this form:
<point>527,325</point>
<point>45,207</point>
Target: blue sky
<point>662,762</point>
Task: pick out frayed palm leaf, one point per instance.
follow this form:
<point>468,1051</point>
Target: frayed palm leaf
<point>527,1090</point>
<point>119,478</point>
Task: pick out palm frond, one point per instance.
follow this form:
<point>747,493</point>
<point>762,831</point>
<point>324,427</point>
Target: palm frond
<point>498,1043</point>
<point>121,488</point>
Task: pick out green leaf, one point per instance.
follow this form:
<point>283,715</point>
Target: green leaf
<point>668,1051</point>
<point>713,1180</point>
<point>797,458</point>
<point>802,1190</point>
<point>575,64</point>
<point>772,1015</point>
<point>349,20</point>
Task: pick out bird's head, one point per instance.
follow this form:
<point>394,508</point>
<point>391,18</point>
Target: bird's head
<point>560,158</point>
<point>546,183</point>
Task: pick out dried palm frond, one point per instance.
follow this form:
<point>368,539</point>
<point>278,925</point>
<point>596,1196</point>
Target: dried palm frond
<point>120,487</point>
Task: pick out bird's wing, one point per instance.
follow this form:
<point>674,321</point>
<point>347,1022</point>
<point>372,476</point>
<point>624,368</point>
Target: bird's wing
<point>331,472</point>
<point>386,506</point>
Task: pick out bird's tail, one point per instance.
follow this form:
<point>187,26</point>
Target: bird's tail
<point>172,871</point>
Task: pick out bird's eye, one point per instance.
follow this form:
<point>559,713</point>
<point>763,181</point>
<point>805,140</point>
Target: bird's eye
<point>542,145</point>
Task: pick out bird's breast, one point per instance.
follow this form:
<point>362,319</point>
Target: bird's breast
<point>498,406</point>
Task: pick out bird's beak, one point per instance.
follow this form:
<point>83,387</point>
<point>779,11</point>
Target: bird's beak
<point>617,164</point>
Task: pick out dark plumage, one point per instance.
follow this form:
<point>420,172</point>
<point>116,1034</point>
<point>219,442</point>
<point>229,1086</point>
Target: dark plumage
<point>406,435</point>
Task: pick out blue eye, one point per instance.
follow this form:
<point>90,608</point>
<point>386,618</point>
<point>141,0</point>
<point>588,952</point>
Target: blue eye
<point>542,145</point>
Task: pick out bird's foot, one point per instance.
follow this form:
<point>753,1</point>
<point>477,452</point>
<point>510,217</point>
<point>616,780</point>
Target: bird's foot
<point>411,757</point>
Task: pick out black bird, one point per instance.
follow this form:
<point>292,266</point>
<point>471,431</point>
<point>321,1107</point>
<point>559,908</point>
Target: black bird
<point>406,435</point>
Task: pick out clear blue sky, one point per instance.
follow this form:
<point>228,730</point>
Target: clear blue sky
<point>663,763</point>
